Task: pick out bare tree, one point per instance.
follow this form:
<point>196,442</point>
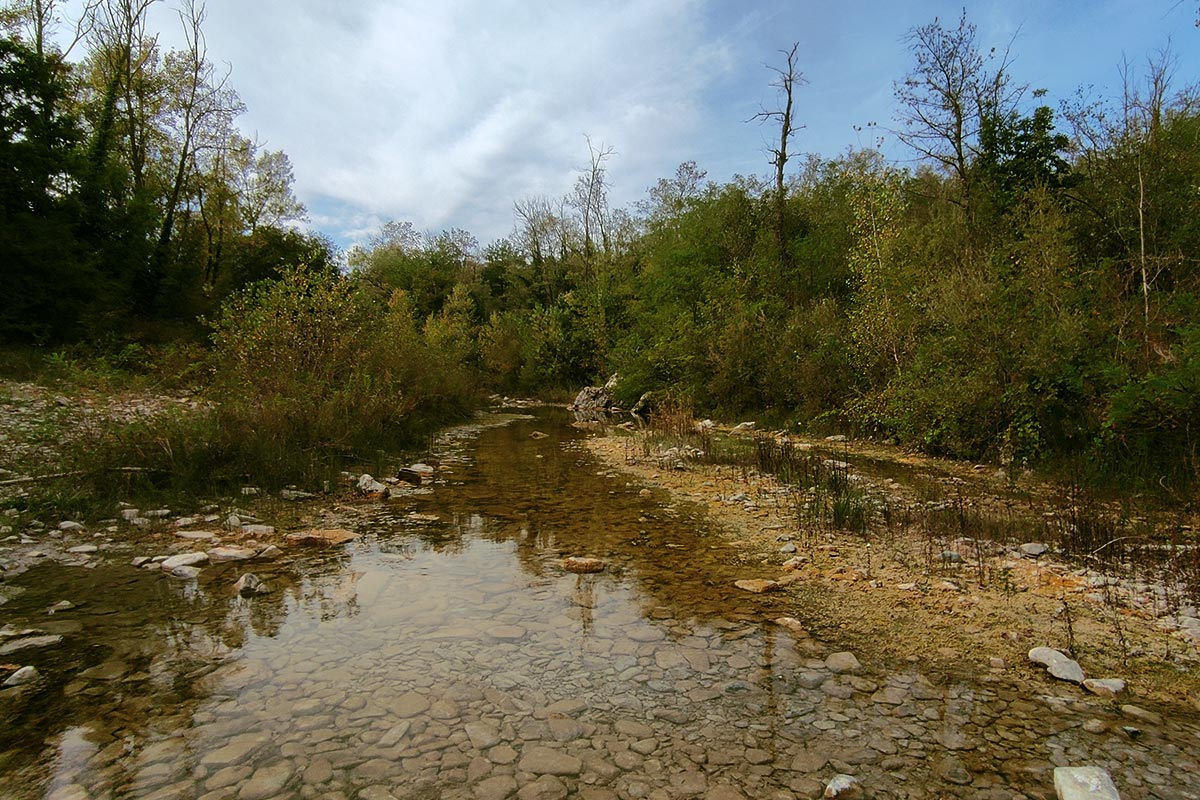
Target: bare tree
<point>950,91</point>
<point>590,199</point>
<point>787,79</point>
<point>40,21</point>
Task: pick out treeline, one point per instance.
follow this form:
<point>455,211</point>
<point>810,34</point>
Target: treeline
<point>1028,292</point>
<point>130,204</point>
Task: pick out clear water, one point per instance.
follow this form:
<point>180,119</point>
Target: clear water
<point>449,654</point>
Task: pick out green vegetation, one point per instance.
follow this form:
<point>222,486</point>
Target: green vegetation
<point>1029,293</point>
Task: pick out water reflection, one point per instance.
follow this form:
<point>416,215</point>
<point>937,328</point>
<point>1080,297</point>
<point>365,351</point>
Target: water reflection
<point>448,652</point>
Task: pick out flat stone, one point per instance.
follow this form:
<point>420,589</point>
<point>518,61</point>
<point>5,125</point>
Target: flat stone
<point>1057,664</point>
<point>107,671</point>
<point>83,549</point>
<point>1084,783</point>
<point>183,560</point>
<point>544,761</point>
<point>236,751</point>
<point>482,735</point>
<point>1142,715</point>
<point>249,585</point>
<point>266,782</point>
<point>1033,549</point>
<point>951,769</point>
<point>196,536</point>
<point>843,662</point>
<point>409,704</point>
<point>507,633</point>
<point>498,787</point>
<point>329,536</point>
<point>29,643</point>
<point>756,585</point>
<point>724,792</point>
<point>258,530</point>
<point>70,525</point>
<point>231,553</point>
<point>186,573</point>
<point>547,787</point>
<point>1105,687</point>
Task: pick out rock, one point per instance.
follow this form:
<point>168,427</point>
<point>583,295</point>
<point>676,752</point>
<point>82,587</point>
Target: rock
<point>295,494</point>
<point>29,643</point>
<point>951,769</point>
<point>369,486</point>
<point>22,676</point>
<point>258,530</point>
<point>70,525</point>
<point>645,404</point>
<point>129,514</point>
<point>1084,783</point>
<point>743,427</point>
<point>332,536</point>
<point>845,787</point>
<point>1105,687</point>
<point>230,553</point>
<point>544,761</point>
<point>507,633</point>
<point>83,549</point>
<point>1142,715</point>
<point>183,560</point>
<point>266,782</point>
<point>186,573</point>
<point>1057,664</point>
<point>788,548</point>
<point>594,398</point>
<point>546,787</point>
<point>843,662</point>
<point>1033,549</point>
<point>483,735</point>
<point>582,564</point>
<point>250,585</point>
<point>270,551</point>
<point>539,435</point>
<point>756,585</point>
<point>951,557</point>
<point>838,437</point>
<point>792,624</point>
<point>196,536</point>
<point>498,787</point>
<point>61,605</point>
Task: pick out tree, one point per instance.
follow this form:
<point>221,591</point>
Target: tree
<point>590,199</point>
<point>47,286</point>
<point>787,79</point>
<point>949,93</point>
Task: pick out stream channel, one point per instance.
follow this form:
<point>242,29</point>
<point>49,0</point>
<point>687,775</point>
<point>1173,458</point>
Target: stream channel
<point>446,653</point>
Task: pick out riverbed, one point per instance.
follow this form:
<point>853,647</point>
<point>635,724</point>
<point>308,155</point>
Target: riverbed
<point>447,653</point>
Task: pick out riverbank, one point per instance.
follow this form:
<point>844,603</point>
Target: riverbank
<point>951,600</point>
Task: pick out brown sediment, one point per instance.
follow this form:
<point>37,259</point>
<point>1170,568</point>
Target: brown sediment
<point>889,593</point>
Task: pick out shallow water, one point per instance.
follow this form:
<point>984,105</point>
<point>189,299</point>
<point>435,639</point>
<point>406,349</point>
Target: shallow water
<point>446,653</point>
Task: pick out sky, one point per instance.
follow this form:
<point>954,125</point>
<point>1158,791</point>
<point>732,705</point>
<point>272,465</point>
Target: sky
<point>442,113</point>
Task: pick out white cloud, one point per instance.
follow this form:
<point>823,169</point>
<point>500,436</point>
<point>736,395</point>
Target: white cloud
<point>445,113</point>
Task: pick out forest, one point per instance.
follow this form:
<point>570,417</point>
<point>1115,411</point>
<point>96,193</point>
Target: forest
<point>1025,292</point>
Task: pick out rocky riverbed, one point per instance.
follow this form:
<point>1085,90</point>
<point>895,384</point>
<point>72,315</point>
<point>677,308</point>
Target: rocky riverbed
<point>447,644</point>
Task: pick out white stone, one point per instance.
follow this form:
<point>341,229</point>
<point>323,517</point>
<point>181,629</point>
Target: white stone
<point>22,676</point>
<point>184,560</point>
<point>1084,783</point>
<point>1057,664</point>
<point>69,525</point>
<point>845,787</point>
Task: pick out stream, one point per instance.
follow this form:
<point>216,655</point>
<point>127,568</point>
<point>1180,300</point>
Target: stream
<point>446,653</point>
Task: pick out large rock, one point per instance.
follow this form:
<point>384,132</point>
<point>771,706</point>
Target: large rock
<point>1084,783</point>
<point>582,564</point>
<point>593,397</point>
<point>22,676</point>
<point>1057,664</point>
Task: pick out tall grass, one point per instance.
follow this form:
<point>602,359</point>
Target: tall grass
<point>307,374</point>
